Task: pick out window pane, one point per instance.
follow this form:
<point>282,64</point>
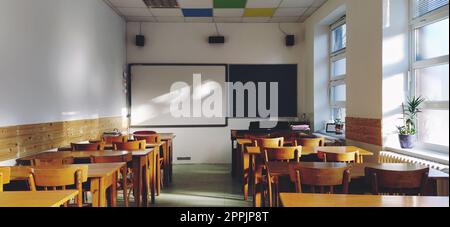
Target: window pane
<point>432,40</point>
<point>338,93</point>
<point>432,83</point>
<point>339,38</point>
<point>425,6</point>
<point>339,113</point>
<point>339,67</point>
<point>433,127</point>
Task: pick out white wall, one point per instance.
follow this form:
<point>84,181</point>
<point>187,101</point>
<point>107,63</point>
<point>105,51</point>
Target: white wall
<point>187,43</point>
<point>364,59</point>
<point>395,66</point>
<point>60,60</point>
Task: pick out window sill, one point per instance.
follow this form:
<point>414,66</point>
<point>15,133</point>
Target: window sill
<point>328,135</point>
<point>422,153</point>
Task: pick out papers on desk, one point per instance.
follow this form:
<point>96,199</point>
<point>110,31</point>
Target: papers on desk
<point>300,127</point>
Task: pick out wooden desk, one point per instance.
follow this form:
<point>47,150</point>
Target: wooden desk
<point>277,169</point>
<point>101,176</point>
<point>36,199</point>
<point>326,200</point>
<point>139,162</point>
<point>251,164</point>
<point>357,171</point>
<point>168,166</point>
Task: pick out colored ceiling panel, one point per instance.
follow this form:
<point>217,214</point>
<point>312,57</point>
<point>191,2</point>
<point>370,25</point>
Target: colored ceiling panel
<point>197,12</point>
<point>259,12</point>
<point>230,3</point>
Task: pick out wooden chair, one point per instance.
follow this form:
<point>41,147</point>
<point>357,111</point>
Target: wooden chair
<point>281,154</point>
<point>412,182</point>
<point>5,174</point>
<point>269,142</point>
<point>127,178</point>
<point>131,146</point>
<point>115,139</point>
<point>320,177</point>
<point>154,139</point>
<point>311,142</point>
<point>144,133</point>
<point>350,157</point>
<point>99,146</point>
<point>60,178</point>
<point>52,162</point>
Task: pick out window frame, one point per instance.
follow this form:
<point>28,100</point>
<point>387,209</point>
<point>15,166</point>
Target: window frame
<point>415,24</point>
<point>337,80</point>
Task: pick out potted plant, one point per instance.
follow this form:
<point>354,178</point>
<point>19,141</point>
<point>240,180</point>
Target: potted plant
<point>407,131</point>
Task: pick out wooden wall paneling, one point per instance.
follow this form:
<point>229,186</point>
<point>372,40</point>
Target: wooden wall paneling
<point>24,140</point>
<point>364,130</point>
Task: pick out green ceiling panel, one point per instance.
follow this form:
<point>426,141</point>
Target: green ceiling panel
<point>230,3</point>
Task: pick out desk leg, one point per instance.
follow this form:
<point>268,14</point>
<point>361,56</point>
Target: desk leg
<point>137,176</point>
<point>158,172</point>
<point>144,182</point>
<point>95,192</point>
<point>124,171</point>
<point>170,147</point>
<point>245,174</point>
<point>102,192</point>
<point>152,170</point>
<point>113,190</point>
<point>166,163</point>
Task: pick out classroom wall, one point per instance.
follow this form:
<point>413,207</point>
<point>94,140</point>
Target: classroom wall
<point>249,43</point>
<point>364,61</point>
<point>60,60</point>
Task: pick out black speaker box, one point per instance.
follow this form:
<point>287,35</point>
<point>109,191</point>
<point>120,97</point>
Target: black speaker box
<point>290,40</point>
<point>216,39</point>
<point>140,40</point>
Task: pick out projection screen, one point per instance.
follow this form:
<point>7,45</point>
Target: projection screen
<point>178,95</point>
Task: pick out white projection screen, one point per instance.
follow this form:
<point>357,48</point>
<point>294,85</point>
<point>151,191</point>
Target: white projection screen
<point>154,99</point>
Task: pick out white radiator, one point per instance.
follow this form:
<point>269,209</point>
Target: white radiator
<point>391,157</point>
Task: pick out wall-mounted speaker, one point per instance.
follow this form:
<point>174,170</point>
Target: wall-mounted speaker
<point>290,40</point>
<point>140,40</point>
<point>216,39</point>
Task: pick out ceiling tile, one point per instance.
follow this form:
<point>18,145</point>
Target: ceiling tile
<point>256,19</point>
<point>160,12</point>
<point>263,3</point>
<point>199,19</point>
<point>170,19</point>
<point>228,12</point>
<point>228,19</point>
<point>230,3</point>
<point>284,19</point>
<point>297,3</point>
<point>259,12</point>
<point>289,12</point>
<point>197,12</point>
<point>128,3</point>
<point>196,4</point>
<point>141,19</point>
<point>318,3</point>
<point>135,12</point>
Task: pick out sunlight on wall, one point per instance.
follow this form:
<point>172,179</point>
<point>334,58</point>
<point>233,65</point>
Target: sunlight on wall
<point>393,50</point>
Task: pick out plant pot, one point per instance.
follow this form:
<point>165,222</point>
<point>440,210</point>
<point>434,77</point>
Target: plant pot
<point>406,141</point>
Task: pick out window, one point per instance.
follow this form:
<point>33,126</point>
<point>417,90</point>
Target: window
<point>430,73</point>
<point>338,69</point>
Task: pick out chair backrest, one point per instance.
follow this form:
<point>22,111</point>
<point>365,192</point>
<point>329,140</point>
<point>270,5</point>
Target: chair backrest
<point>113,139</point>
<point>52,161</point>
<point>411,182</point>
<point>59,178</point>
<point>311,142</point>
<point>111,159</point>
<point>283,154</point>
<point>350,157</point>
<point>269,142</point>
<point>144,133</point>
<point>132,145</point>
<point>99,146</point>
<point>5,174</point>
<point>150,138</point>
<point>320,177</point>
